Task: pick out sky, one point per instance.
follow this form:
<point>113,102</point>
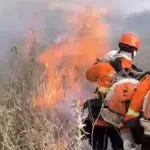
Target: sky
<point>137,5</point>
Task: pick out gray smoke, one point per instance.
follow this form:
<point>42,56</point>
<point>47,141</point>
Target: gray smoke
<point>46,18</point>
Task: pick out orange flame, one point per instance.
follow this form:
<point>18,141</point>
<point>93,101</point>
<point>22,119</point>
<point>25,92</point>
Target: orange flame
<point>67,60</point>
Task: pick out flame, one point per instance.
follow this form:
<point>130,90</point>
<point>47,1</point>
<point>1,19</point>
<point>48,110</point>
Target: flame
<point>67,60</point>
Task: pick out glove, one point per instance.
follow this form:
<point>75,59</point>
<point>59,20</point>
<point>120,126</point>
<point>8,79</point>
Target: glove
<point>128,145</point>
<point>125,72</point>
<point>146,125</point>
<point>92,103</point>
<point>128,140</point>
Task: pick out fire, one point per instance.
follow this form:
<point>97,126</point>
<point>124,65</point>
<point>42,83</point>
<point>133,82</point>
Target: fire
<point>67,60</point>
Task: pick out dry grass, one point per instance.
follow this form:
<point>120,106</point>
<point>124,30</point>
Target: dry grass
<point>22,127</point>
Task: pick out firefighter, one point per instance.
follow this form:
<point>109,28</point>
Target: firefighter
<point>116,106</point>
<point>140,107</point>
<point>104,73</point>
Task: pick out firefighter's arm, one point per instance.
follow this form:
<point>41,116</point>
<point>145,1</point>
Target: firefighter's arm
<point>130,69</point>
<point>138,98</point>
<point>92,73</point>
<point>136,72</point>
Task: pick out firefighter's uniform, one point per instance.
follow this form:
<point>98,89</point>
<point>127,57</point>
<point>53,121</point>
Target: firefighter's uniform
<point>104,73</point>
<point>140,107</point>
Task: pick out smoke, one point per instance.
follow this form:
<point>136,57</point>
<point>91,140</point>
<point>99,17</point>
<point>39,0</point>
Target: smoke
<point>24,22</point>
<point>46,18</point>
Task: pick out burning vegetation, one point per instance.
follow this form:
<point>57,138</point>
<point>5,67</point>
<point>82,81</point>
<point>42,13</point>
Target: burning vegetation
<point>29,116</point>
<point>67,60</point>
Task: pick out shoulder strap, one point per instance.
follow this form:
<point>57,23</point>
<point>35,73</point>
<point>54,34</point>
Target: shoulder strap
<point>116,64</point>
<point>136,68</point>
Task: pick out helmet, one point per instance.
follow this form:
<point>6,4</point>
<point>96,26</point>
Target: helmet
<point>130,39</point>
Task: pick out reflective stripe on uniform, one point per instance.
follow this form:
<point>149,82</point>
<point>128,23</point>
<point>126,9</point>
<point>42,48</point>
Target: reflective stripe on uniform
<point>132,113</point>
<point>103,89</point>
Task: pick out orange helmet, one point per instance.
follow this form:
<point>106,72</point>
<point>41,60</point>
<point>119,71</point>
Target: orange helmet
<point>131,40</point>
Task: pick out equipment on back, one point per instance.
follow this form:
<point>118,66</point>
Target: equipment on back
<point>133,72</point>
<point>146,125</point>
<point>117,101</point>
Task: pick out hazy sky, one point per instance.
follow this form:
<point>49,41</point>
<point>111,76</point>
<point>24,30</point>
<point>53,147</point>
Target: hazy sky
<point>137,5</point>
<point>17,15</point>
<point>127,6</point>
